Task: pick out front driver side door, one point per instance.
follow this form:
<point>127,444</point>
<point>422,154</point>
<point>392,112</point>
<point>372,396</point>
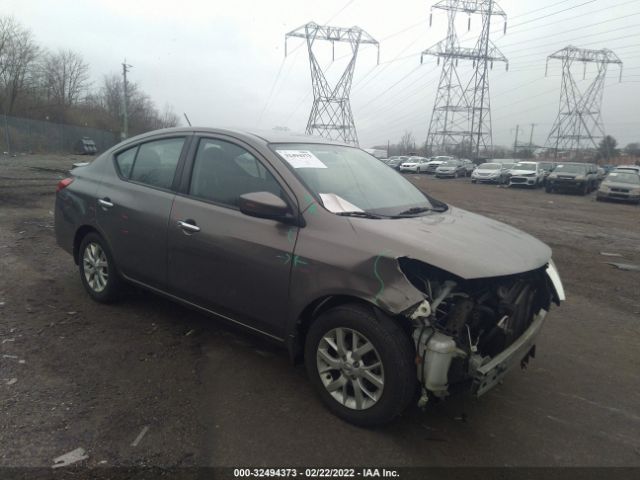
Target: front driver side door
<point>227,262</point>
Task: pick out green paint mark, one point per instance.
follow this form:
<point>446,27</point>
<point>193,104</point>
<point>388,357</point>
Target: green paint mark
<point>312,205</point>
<point>295,259</point>
<point>286,258</point>
<point>290,233</point>
<point>378,277</point>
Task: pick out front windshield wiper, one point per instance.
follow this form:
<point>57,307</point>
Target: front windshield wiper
<point>416,210</point>
<point>357,213</point>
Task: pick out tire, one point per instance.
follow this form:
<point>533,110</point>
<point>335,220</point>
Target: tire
<point>584,190</point>
<point>473,181</point>
<point>104,285</point>
<point>392,349</point>
<point>548,189</point>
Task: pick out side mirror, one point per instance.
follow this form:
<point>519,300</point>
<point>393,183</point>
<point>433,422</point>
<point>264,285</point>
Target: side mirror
<point>264,205</point>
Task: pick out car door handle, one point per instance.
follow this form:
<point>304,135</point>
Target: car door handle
<point>188,226</point>
<point>105,202</point>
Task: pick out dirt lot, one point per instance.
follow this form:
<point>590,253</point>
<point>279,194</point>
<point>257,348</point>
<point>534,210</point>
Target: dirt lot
<point>74,373</point>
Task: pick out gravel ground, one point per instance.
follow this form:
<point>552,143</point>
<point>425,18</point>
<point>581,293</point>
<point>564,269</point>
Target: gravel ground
<point>74,373</point>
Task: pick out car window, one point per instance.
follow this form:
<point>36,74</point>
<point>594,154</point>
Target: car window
<point>156,162</point>
<point>222,171</point>
<point>124,161</point>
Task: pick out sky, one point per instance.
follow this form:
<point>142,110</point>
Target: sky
<point>223,62</point>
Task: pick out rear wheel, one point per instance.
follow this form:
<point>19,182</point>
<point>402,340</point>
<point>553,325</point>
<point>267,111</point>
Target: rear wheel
<point>97,269</point>
<point>361,364</point>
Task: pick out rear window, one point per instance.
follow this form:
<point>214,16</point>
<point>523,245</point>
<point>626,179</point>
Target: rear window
<point>156,162</point>
<point>125,160</point>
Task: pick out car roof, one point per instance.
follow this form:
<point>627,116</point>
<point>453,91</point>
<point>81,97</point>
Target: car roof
<point>264,136</point>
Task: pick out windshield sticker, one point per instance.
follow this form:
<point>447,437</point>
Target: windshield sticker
<point>336,204</point>
<point>301,159</point>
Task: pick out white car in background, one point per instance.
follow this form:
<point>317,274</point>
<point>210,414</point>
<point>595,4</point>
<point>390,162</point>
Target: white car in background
<point>435,162</point>
<point>529,174</point>
<point>490,173</point>
<point>414,164</point>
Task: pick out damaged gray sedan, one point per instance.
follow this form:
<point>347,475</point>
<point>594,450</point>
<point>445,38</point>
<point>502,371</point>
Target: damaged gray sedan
<point>388,295</point>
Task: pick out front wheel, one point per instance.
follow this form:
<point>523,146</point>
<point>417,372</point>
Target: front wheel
<point>361,364</point>
<point>97,269</point>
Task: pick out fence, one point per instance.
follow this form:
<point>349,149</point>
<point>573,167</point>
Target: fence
<point>27,135</point>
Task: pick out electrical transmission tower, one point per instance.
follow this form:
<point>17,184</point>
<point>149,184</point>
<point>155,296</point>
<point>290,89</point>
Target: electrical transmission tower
<point>579,123</point>
<point>331,115</point>
<point>461,117</point>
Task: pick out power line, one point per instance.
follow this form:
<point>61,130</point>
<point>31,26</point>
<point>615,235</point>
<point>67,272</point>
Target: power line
<point>611,7</point>
<point>581,28</point>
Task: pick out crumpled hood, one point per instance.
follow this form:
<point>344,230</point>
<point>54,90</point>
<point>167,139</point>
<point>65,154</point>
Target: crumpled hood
<point>463,243</point>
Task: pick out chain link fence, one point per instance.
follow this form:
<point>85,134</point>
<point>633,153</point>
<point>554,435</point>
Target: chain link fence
<point>19,135</point>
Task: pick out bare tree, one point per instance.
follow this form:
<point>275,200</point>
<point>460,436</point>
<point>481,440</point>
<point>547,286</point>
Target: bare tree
<point>18,53</point>
<point>66,77</point>
<point>169,118</point>
<point>407,141</point>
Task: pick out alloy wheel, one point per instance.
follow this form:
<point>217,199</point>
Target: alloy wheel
<point>350,368</point>
<point>95,267</point>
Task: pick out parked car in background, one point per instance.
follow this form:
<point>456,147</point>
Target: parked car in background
<point>451,169</point>
<point>600,174</point>
<point>490,173</point>
<point>620,185</point>
<point>529,174</point>
<point>469,166</point>
<point>220,221</point>
<point>580,177</point>
<point>627,168</point>
<point>414,164</point>
<point>547,168</point>
<point>396,161</point>
<point>435,162</point>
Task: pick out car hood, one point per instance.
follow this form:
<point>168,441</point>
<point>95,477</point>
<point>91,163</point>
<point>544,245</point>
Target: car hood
<point>522,172</point>
<point>485,170</point>
<point>630,186</point>
<point>460,242</point>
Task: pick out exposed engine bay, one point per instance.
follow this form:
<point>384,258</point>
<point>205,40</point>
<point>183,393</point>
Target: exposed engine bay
<point>468,333</point>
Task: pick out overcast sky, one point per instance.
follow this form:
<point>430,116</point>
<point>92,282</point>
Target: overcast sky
<point>218,60</point>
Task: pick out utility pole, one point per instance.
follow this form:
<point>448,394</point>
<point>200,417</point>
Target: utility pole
<point>461,117</point>
<point>578,124</point>
<point>331,115</point>
<point>515,143</point>
<point>125,100</point>
<point>531,136</point>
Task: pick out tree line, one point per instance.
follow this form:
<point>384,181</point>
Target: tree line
<point>40,84</point>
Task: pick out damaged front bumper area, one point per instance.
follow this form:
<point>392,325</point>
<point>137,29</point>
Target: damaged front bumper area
<point>469,334</point>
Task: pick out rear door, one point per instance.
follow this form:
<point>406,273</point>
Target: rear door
<point>134,204</point>
<point>230,263</point>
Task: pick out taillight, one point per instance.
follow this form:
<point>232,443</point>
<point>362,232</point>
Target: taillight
<point>64,183</point>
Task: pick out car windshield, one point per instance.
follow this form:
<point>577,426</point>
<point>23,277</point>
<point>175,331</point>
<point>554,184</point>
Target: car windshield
<point>524,166</point>
<point>565,168</point>
<point>489,166</point>
<point>624,177</point>
<point>348,179</point>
